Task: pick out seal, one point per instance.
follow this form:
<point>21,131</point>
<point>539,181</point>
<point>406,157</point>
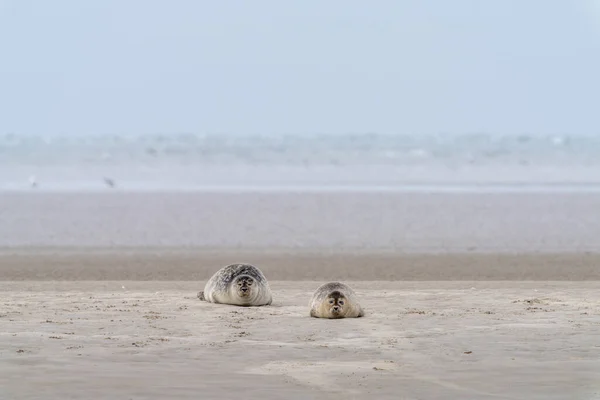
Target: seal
<point>238,284</point>
<point>335,300</point>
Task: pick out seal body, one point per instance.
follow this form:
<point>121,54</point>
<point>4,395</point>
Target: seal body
<point>335,300</point>
<point>238,284</point>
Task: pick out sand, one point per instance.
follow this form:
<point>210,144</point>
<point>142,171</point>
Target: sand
<point>170,264</point>
<point>419,340</point>
<point>468,296</point>
<point>405,222</point>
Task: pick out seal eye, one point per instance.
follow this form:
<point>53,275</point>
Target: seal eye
<point>341,302</point>
<point>330,301</point>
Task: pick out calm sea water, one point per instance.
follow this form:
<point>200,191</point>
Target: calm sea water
<point>305,162</point>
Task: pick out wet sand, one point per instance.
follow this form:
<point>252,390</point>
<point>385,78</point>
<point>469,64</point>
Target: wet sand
<point>169,264</point>
<point>399,222</point>
<point>420,340</point>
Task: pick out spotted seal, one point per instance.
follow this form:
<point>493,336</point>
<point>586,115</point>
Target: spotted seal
<point>238,284</point>
<point>335,300</point>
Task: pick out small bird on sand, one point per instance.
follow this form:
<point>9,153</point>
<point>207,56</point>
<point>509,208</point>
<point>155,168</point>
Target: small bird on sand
<point>32,181</point>
<point>109,182</point>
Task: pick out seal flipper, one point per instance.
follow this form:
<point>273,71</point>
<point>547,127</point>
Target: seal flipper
<point>201,296</point>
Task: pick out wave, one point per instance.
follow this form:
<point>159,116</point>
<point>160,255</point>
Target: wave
<point>310,149</point>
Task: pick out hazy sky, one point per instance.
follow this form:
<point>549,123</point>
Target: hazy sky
<point>158,66</point>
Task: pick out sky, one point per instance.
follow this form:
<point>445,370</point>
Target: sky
<point>296,66</point>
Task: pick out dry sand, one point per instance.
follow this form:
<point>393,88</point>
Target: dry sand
<point>420,340</point>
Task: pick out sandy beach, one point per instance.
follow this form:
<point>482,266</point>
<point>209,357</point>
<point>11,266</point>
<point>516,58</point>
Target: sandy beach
<point>440,158</point>
<point>434,340</point>
<point>467,296</point>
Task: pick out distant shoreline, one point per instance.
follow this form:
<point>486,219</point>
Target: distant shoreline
<point>471,187</point>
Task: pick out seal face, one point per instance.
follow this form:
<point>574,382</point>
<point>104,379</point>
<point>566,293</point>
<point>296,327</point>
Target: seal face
<point>335,300</point>
<point>238,284</point>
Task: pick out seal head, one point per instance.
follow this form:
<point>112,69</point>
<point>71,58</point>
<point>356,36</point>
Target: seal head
<point>335,300</point>
<point>243,285</point>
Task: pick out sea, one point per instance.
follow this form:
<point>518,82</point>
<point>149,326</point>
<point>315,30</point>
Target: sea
<point>409,193</point>
<point>300,162</point>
